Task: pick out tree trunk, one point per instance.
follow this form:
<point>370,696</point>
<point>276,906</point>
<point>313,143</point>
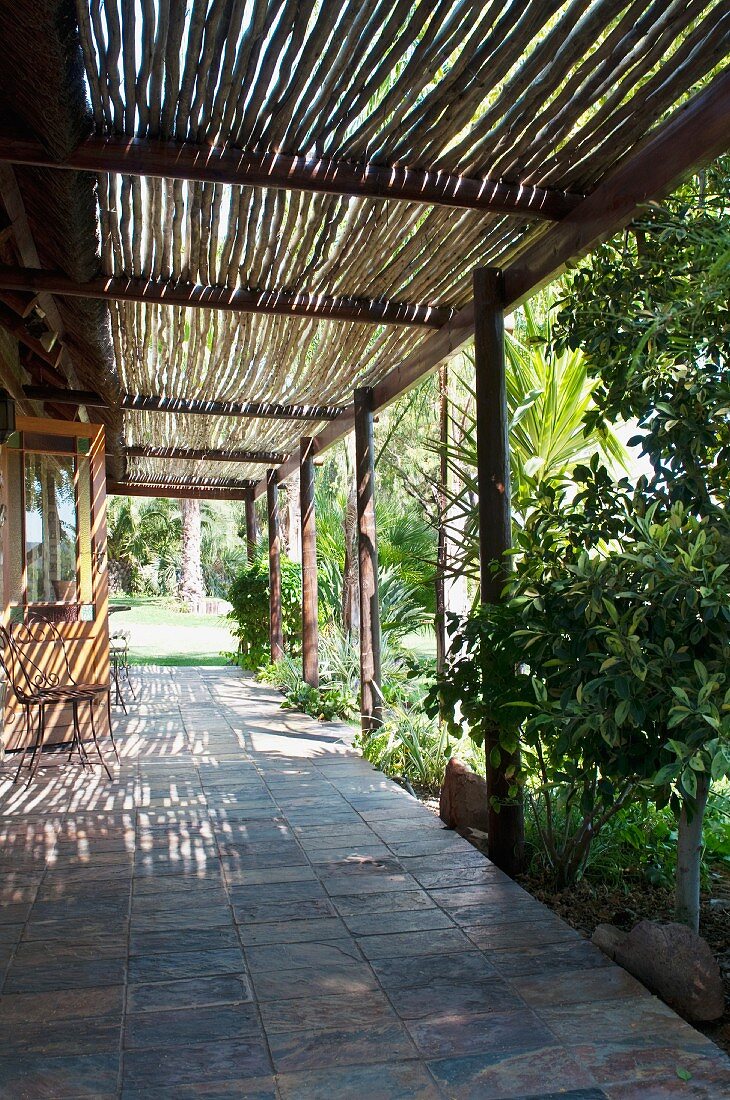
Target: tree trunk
<point>294,525</point>
<point>442,552</point>
<point>350,587</point>
<point>193,587</point>
<point>689,853</point>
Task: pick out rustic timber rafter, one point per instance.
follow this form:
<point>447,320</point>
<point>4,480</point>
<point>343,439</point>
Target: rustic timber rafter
<point>178,490</point>
<point>695,134</point>
<point>60,396</point>
<point>204,164</point>
<point>202,454</point>
<point>257,409</point>
<point>233,300</point>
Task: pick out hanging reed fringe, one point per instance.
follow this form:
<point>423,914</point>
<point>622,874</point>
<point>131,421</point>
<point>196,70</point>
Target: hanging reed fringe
<point>548,94</point>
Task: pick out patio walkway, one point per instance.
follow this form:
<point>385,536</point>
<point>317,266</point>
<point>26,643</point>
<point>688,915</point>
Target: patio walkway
<point>250,910</point>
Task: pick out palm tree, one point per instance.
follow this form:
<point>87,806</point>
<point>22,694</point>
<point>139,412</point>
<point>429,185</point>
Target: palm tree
<point>548,397</point>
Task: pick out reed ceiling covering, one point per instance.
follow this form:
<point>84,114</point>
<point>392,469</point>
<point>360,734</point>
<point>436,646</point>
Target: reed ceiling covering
<point>543,94</point>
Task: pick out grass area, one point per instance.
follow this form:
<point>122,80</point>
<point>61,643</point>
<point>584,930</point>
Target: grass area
<point>421,643</point>
<point>163,633</point>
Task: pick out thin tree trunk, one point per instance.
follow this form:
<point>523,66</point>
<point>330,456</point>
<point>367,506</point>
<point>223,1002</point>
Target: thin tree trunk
<point>193,587</point>
<point>350,587</point>
<point>689,854</point>
<point>294,527</point>
<point>440,579</point>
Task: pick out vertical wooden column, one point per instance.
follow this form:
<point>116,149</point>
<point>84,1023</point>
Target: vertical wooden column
<point>371,711</point>
<point>310,637</point>
<point>252,535</point>
<point>506,824</point>
<point>276,637</point>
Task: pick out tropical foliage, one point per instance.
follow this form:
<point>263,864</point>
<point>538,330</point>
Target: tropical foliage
<point>549,396</point>
<point>608,653</point>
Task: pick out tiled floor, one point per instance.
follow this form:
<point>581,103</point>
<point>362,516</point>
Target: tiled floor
<point>250,910</point>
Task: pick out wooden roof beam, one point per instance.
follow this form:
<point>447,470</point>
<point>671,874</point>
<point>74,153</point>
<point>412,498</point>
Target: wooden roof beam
<point>186,161</point>
<point>28,253</point>
<point>194,454</point>
<point>695,134</point>
<point>179,490</point>
<point>277,302</point>
<point>60,396</point>
<point>255,409</point>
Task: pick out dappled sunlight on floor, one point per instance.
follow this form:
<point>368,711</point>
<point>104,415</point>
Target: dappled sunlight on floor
<point>248,908</point>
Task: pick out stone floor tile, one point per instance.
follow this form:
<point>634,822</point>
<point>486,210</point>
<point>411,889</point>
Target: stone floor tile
<point>453,997</point>
<point>546,958</point>
<point>179,1027</point>
<point>183,915</point>
<point>364,905</point>
<point>307,1013</point>
<point>627,1060</point>
<point>189,993</point>
<point>394,1081</point>
<point>262,876</point>
<point>239,1088</point>
<point>413,920</point>
<point>188,939</point>
<point>170,965</point>
<point>399,944</point>
<point>58,1077</point>
<point>350,977</point>
<point>468,875</point>
<point>407,971</point>
<point>290,956</point>
<point>507,1074</point>
<point>342,1046</point>
<point>638,1019</point>
<point>194,1063</point>
<point>476,1033</point>
<point>516,934</point>
<point>292,931</point>
<point>87,1035</point>
<point>267,912</point>
<point>29,1009</point>
<point>64,975</point>
<point>578,987</point>
<point>341,884</point>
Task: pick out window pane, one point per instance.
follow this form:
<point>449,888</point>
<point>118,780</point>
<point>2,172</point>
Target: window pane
<point>14,523</point>
<point>50,528</point>
<point>84,498</point>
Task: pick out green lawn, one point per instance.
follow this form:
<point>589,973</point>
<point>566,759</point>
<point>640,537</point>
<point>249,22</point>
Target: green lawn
<point>163,634</point>
<point>421,643</point>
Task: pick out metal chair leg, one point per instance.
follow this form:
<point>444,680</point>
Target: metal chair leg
<point>28,734</point>
<point>96,740</point>
<point>111,728</point>
<point>38,747</point>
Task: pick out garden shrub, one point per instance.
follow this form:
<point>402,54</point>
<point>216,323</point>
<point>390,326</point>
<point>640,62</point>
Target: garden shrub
<point>249,595</point>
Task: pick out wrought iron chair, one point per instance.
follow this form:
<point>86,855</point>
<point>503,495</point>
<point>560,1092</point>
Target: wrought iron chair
<point>40,686</point>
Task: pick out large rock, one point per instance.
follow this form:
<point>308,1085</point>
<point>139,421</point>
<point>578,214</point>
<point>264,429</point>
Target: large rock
<point>671,960</point>
<point>463,804</point>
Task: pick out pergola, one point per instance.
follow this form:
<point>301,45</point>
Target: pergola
<point>234,230</point>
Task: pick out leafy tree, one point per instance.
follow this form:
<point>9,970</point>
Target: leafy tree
<point>651,314</point>
<point>602,645</point>
<point>549,396</point>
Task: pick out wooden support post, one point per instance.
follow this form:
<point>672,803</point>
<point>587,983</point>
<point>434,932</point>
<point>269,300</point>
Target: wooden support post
<point>506,824</point>
<point>310,637</point>
<point>371,711</point>
<point>276,636</point>
<point>252,535</point>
